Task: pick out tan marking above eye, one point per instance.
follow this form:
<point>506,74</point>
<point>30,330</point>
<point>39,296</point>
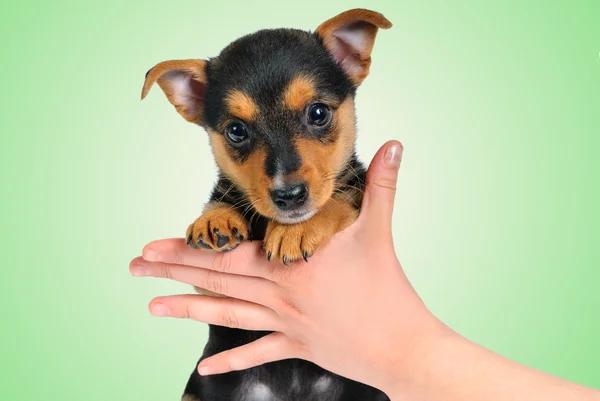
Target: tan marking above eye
<point>241,105</point>
<point>249,175</point>
<point>299,92</point>
<point>322,162</point>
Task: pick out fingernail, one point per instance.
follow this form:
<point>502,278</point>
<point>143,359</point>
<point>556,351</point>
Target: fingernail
<point>204,371</point>
<point>159,310</point>
<point>393,156</point>
<point>139,270</point>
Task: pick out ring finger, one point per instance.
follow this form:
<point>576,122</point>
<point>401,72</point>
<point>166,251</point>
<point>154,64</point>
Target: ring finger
<point>226,312</point>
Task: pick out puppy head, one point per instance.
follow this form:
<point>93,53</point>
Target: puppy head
<point>278,106</point>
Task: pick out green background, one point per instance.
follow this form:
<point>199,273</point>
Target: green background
<point>497,104</point>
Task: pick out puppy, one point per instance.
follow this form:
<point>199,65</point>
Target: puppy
<point>278,107</point>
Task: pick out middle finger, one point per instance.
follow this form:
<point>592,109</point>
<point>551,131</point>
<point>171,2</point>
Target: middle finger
<point>252,289</point>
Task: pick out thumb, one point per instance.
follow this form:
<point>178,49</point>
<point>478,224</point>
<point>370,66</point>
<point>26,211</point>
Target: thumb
<point>378,200</point>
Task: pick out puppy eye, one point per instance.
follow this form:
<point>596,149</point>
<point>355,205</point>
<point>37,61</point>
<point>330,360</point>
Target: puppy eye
<point>319,114</point>
<point>236,132</point>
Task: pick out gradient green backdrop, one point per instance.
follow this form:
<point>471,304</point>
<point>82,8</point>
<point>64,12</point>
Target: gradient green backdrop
<point>496,102</point>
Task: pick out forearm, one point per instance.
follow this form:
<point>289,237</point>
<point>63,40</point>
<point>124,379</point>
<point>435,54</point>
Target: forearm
<point>454,368</point>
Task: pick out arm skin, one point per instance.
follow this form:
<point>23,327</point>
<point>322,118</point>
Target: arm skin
<point>351,310</point>
<point>454,368</point>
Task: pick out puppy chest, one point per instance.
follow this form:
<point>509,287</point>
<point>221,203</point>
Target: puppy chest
<point>294,388</point>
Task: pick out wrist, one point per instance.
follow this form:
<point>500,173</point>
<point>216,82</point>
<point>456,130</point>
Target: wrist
<point>414,370</point>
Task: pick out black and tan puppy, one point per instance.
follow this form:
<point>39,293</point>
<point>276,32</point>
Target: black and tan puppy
<point>278,106</point>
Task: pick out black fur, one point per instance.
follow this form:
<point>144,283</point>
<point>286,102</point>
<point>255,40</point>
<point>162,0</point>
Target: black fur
<point>278,376</point>
<point>261,65</point>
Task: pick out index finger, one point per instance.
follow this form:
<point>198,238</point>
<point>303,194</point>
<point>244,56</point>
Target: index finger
<point>244,260</point>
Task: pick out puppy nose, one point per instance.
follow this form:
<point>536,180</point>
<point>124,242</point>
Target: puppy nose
<point>290,197</point>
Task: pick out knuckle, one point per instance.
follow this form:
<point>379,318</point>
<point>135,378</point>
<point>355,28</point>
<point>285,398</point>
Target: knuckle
<point>222,262</point>
<point>166,272</point>
<point>385,182</point>
<point>216,282</point>
<point>230,319</point>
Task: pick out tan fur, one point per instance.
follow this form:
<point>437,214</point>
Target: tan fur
<point>350,36</point>
<point>293,240</point>
<point>221,217</point>
<point>299,92</point>
<point>321,163</point>
<point>189,398</point>
<point>250,175</point>
<point>193,69</point>
<point>370,22</point>
<point>224,218</point>
<point>241,105</point>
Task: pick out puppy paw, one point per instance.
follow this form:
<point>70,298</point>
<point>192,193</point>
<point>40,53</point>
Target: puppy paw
<point>221,228</point>
<point>289,243</point>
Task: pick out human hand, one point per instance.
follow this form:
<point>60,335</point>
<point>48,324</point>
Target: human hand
<point>350,310</point>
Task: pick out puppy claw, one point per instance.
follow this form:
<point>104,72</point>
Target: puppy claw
<point>203,244</point>
<point>289,243</point>
<point>239,237</point>
<point>221,228</point>
<point>191,243</point>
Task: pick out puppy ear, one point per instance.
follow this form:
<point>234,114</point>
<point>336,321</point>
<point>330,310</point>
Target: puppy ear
<point>350,37</point>
<point>184,83</point>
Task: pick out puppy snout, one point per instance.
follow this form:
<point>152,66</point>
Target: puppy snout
<point>290,197</point>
